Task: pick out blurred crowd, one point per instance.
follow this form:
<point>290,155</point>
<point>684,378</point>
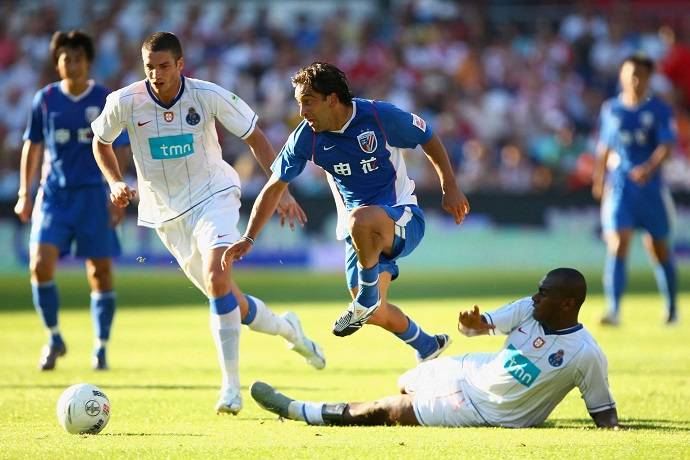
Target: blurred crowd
<point>514,92</point>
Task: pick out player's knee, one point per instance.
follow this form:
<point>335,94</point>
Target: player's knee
<point>41,268</point>
<point>217,283</point>
<point>99,274</point>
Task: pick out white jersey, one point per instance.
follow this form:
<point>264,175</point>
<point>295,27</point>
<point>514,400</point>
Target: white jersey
<point>177,156</point>
<point>521,384</point>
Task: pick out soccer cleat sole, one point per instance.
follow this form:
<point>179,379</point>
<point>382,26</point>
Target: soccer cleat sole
<point>343,327</point>
<point>270,399</point>
<point>439,350</point>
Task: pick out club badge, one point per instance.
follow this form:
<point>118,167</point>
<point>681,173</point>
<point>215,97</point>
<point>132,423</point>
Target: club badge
<point>367,141</point>
<point>193,118</point>
<point>168,116</point>
<point>92,112</point>
<point>538,342</point>
<point>556,359</point>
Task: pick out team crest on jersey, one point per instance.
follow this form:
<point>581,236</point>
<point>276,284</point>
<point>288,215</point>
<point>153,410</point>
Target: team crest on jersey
<point>556,359</point>
<point>92,112</point>
<point>419,122</point>
<point>646,119</point>
<point>538,342</point>
<point>193,118</point>
<point>367,141</point>
<point>168,116</point>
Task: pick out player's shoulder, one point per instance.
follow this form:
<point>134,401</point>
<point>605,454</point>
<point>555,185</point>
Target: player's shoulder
<point>302,136</point>
<point>609,104</point>
<point>48,90</point>
<point>658,104</point>
<point>207,87</point>
<point>590,347</point>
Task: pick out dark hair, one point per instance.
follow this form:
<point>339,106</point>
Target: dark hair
<point>325,79</point>
<point>163,41</point>
<point>570,283</point>
<point>74,39</point>
<point>641,60</point>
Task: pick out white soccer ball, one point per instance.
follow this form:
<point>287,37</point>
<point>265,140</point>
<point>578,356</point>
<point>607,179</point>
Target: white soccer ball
<point>83,409</point>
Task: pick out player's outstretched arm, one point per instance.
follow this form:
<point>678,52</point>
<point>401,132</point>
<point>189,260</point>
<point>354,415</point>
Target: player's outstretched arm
<point>31,158</point>
<point>454,202</point>
<point>120,193</point>
<point>606,419</point>
<point>471,323</point>
<point>263,209</point>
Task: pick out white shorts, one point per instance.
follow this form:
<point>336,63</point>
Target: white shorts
<point>211,224</point>
<point>438,397</point>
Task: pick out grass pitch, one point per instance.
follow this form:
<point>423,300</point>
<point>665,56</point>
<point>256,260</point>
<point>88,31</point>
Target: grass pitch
<point>164,378</point>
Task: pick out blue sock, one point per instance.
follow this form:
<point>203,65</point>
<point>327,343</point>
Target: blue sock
<point>415,337</point>
<point>46,302</point>
<point>102,313</point>
<point>614,282</point>
<point>223,305</point>
<point>251,314</point>
<point>666,280</point>
<point>368,293</point>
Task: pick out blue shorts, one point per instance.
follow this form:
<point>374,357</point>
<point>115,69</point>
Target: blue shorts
<point>80,215</point>
<point>409,231</point>
<point>650,211</point>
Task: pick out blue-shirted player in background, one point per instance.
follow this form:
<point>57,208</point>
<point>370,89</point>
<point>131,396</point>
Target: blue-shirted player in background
<point>359,144</point>
<point>72,204</point>
<point>636,135</point>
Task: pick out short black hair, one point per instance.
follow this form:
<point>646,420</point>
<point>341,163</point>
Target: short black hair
<point>163,41</point>
<point>641,60</point>
<point>325,79</point>
<point>74,39</point>
<point>570,283</point>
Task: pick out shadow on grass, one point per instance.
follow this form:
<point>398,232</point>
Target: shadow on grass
<point>626,424</point>
<point>154,434</point>
<point>115,386</point>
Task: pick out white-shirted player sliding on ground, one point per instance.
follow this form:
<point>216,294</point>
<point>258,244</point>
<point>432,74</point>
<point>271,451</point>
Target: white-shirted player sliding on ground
<point>546,354</point>
<point>359,144</point>
<point>191,196</point>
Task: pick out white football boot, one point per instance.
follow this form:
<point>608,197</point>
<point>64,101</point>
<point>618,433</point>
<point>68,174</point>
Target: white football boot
<point>230,401</point>
<point>353,318</point>
<point>306,347</point>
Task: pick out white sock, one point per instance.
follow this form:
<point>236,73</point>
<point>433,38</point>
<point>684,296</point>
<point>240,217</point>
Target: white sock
<point>269,323</point>
<point>225,330</point>
<point>100,343</point>
<point>306,411</point>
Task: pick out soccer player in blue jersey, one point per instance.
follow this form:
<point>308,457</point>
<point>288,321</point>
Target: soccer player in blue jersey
<point>636,135</point>
<point>72,206</point>
<point>359,144</point>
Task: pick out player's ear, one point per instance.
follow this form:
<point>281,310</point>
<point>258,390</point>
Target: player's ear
<point>180,63</point>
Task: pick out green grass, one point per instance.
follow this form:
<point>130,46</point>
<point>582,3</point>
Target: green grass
<point>164,378</point>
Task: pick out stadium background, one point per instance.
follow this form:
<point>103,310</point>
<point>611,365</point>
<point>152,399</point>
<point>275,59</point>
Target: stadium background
<point>512,88</point>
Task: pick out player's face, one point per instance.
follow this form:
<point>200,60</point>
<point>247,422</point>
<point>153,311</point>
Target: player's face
<point>315,108</point>
<point>162,71</point>
<point>634,78</point>
<point>72,64</point>
<point>546,301</point>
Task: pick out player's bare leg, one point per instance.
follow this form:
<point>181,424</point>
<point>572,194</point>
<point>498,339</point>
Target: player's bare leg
<point>615,273</point>
<point>99,273</point>
<point>665,273</point>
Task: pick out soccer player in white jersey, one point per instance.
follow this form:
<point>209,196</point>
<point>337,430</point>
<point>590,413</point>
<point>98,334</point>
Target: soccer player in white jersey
<point>546,354</point>
<point>359,143</point>
<point>190,196</point>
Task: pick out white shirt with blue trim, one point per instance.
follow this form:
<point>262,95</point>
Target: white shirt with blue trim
<point>176,151</point>
<point>521,384</point>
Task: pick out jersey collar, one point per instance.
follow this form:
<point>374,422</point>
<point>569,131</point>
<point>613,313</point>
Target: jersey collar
<point>175,99</point>
<point>347,123</point>
<point>63,89</point>
<point>568,330</point>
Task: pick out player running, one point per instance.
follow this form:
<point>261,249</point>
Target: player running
<point>635,137</point>
<point>359,144</point>
<point>190,196</point>
<point>72,205</point>
<point>546,354</point>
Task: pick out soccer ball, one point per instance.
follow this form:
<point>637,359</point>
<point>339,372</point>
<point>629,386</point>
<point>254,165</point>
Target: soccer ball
<point>83,409</point>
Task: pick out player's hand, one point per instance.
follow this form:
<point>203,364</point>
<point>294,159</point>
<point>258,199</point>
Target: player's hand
<point>121,194</point>
<point>640,174</point>
<point>23,208</point>
<point>455,203</point>
<point>116,215</point>
<point>289,210</point>
<point>597,191</point>
<point>235,252</point>
<point>472,321</point>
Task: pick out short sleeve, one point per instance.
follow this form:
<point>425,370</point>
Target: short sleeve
<point>665,125</point>
<point>109,124</point>
<point>34,127</point>
<point>510,316</point>
<point>592,380</point>
<point>293,157</point>
<point>606,126</point>
<point>231,111</point>
<point>402,129</point>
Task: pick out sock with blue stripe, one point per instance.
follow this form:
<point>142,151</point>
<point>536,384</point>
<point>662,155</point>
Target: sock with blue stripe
<point>666,281</point>
<point>614,282</point>
<point>47,303</point>
<point>260,318</point>
<point>225,329</point>
<point>102,314</point>
<point>415,337</point>
<point>368,293</point>
<point>306,411</point>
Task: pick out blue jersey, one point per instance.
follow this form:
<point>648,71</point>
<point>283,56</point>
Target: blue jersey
<point>363,160</point>
<point>632,134</point>
<point>63,123</point>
